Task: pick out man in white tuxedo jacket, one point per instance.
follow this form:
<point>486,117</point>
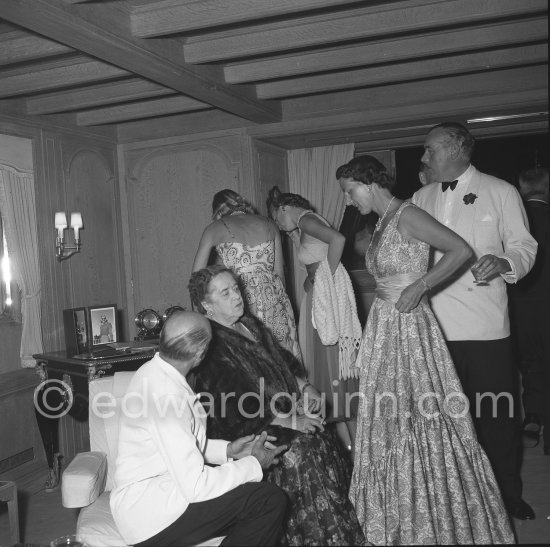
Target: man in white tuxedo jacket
<point>488,213</point>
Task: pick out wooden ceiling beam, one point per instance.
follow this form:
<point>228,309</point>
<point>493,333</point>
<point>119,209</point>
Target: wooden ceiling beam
<point>384,51</point>
<point>130,89</point>
<point>17,46</point>
<point>361,23</point>
<point>139,110</point>
<point>367,140</point>
<point>102,30</point>
<point>57,73</point>
<point>409,94</point>
<point>412,70</point>
<point>346,127</point>
<point>179,16</point>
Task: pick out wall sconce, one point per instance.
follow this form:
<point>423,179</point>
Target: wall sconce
<point>60,225</point>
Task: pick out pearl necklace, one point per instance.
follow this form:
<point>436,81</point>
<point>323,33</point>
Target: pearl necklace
<point>379,223</point>
<point>381,219</point>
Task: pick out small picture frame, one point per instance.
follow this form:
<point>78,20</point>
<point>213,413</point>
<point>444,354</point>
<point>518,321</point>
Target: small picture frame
<point>103,326</point>
<point>77,331</point>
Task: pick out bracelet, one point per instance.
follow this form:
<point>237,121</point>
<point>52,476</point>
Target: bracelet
<point>428,288</point>
<point>304,387</point>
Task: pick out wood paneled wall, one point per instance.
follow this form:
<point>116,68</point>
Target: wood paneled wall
<point>77,173</point>
<point>270,169</point>
<point>22,456</point>
<point>168,189</point>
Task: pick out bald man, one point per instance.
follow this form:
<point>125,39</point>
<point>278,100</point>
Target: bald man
<point>166,493</point>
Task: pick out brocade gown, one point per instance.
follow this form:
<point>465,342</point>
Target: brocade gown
<point>263,290</point>
<point>420,475</point>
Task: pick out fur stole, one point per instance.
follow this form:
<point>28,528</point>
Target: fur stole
<point>244,382</point>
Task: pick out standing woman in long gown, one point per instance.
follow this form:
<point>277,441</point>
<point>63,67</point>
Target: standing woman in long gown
<point>420,475</point>
<point>250,245</point>
<point>315,239</point>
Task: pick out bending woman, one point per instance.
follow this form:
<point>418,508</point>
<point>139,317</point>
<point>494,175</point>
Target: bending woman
<point>316,240</point>
<point>250,383</point>
<point>250,245</point>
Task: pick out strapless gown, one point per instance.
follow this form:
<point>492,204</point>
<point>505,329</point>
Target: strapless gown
<point>420,475</point>
<point>263,290</point>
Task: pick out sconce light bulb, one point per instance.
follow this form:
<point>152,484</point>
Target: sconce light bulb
<point>76,220</point>
<point>60,220</point>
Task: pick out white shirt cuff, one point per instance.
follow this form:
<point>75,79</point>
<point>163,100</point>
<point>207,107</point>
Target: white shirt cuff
<point>511,276</point>
<point>216,451</point>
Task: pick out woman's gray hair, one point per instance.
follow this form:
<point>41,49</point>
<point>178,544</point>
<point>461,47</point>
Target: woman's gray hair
<point>200,281</point>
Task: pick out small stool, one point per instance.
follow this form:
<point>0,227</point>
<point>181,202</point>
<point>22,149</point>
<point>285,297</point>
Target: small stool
<point>8,493</point>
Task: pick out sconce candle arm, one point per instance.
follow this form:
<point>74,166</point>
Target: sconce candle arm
<point>60,225</point>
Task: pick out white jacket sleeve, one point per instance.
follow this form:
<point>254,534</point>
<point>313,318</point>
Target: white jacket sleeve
<point>520,247</point>
<point>173,434</point>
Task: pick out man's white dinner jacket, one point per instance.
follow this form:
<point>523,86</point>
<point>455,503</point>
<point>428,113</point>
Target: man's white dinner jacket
<point>494,223</point>
<point>162,454</point>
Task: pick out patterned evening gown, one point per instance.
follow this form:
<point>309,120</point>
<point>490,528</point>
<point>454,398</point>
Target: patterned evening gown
<point>420,475</point>
<point>263,289</point>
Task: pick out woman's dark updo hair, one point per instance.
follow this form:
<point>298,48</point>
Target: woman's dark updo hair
<point>199,282</point>
<point>228,201</point>
<point>366,169</point>
<point>276,199</point>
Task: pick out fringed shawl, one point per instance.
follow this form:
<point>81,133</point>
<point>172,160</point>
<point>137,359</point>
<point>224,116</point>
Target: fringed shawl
<point>334,315</point>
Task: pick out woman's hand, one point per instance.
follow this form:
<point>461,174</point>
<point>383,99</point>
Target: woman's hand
<point>242,447</point>
<point>411,296</point>
<point>306,423</point>
<point>313,402</point>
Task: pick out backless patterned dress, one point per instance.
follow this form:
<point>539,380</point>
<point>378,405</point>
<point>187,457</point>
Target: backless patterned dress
<point>420,476</point>
<point>263,290</point>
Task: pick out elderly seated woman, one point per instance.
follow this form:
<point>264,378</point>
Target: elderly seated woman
<point>250,383</point>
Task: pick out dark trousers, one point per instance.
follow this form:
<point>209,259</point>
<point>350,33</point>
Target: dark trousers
<point>530,324</point>
<point>488,367</point>
<point>250,514</point>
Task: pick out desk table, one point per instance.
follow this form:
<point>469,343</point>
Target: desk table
<point>63,389</point>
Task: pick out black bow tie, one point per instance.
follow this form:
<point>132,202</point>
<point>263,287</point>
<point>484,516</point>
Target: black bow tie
<point>451,185</point>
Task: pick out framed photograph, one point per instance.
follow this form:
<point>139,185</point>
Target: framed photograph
<point>103,325</point>
<point>77,329</point>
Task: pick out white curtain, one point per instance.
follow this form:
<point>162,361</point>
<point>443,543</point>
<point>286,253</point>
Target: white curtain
<point>17,206</point>
<point>312,175</point>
